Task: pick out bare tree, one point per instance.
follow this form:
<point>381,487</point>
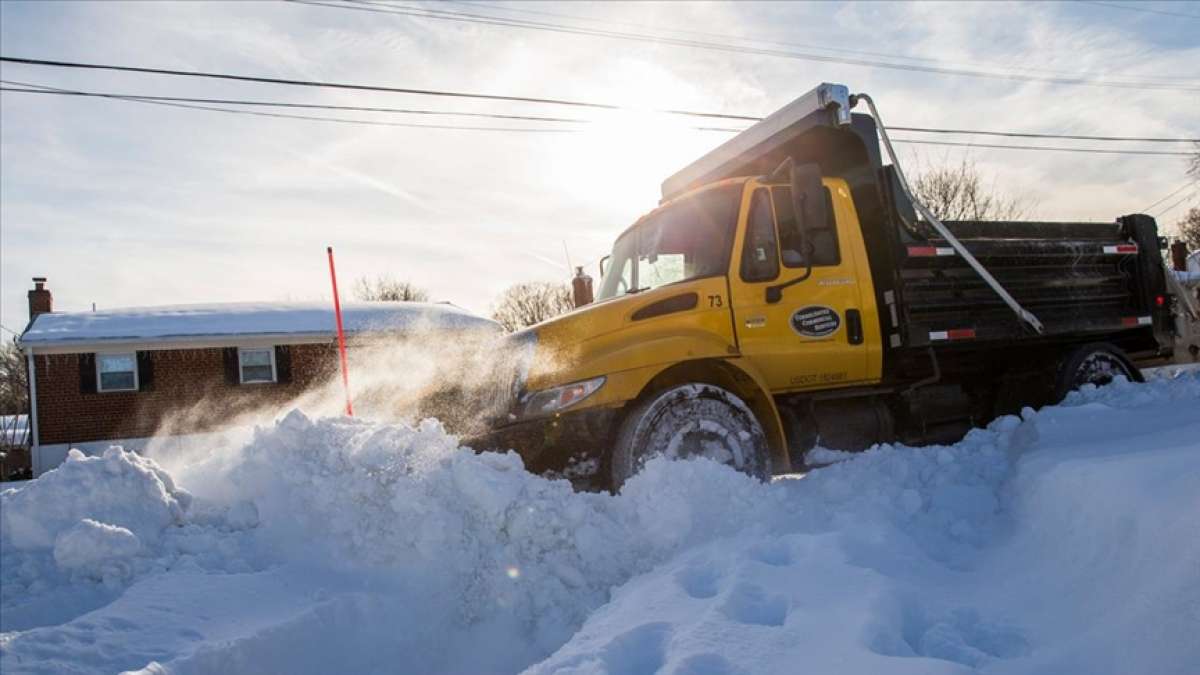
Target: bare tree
<point>531,302</point>
<point>1189,229</point>
<point>14,387</point>
<point>386,288</point>
<point>959,193</point>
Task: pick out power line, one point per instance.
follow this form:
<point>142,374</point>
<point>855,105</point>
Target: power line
<point>259,113</point>
<point>409,10</point>
<point>498,97</point>
<point>1147,10</point>
<point>1022,134</point>
<point>1102,151</point>
<point>1174,192</point>
<point>633,24</point>
<point>535,118</point>
<point>43,89</point>
<point>491,6</point>
<point>356,87</point>
<point>637,37</point>
<point>297,83</point>
<point>1183,200</point>
<point>174,103</point>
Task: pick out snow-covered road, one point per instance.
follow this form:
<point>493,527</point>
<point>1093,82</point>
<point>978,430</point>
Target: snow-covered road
<point>1064,542</point>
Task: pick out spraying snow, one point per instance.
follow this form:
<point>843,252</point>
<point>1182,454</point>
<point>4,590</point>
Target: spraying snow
<point>1064,541</point>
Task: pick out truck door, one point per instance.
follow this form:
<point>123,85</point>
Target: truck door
<point>824,331</point>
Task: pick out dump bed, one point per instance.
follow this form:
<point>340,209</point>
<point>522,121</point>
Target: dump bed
<point>1077,278</point>
<point>1102,281</point>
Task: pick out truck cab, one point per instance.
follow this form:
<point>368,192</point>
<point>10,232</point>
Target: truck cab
<point>783,294</point>
<point>703,263</point>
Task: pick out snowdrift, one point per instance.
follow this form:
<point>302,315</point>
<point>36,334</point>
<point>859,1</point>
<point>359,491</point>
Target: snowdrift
<point>1064,541</point>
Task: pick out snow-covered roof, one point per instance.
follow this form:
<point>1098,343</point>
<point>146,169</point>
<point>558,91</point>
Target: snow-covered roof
<point>186,323</point>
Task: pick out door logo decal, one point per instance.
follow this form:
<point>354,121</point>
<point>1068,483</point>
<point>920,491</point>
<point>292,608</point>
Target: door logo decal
<point>816,321</point>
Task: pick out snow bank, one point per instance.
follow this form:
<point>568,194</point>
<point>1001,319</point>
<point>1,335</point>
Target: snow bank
<point>475,536</point>
<point>119,488</point>
<point>1065,542</point>
<point>1060,542</point>
<point>396,526</point>
<point>102,519</point>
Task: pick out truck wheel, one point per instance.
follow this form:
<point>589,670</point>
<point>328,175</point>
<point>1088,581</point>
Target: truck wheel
<point>691,420</point>
<point>1098,363</point>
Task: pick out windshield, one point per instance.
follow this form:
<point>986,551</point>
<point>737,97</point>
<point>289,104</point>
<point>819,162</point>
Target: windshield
<point>687,240</point>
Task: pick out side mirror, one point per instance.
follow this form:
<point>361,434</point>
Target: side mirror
<point>808,209</point>
<point>603,262</point>
<point>808,204</point>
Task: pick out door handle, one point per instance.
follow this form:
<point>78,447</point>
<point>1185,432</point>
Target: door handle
<point>854,329</point>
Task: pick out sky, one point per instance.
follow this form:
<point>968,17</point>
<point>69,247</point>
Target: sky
<point>126,204</point>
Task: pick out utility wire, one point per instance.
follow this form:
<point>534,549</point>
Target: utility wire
<point>534,118</point>
<point>456,94</point>
<point>639,37</point>
<point>1101,151</point>
<point>259,113</point>
<point>1022,134</point>
<point>356,87</point>
<point>54,90</point>
<point>298,83</point>
<point>174,101</point>
<point>491,6</point>
<point>1147,10</point>
<point>281,104</point>
<point>408,10</point>
<point>1174,192</point>
<point>1184,199</point>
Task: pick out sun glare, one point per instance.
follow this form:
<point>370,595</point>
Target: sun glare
<point>618,160</point>
<point>625,155</point>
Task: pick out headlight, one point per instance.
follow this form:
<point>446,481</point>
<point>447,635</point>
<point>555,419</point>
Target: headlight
<point>550,401</point>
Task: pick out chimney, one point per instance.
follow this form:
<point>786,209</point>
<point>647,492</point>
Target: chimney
<point>40,300</point>
<point>581,288</point>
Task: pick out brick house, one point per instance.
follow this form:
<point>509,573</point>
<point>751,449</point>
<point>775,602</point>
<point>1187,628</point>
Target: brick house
<point>113,377</point>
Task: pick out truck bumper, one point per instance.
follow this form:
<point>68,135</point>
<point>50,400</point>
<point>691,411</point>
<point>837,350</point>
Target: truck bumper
<point>549,443</point>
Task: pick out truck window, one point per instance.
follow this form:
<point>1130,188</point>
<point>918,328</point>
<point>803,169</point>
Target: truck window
<point>760,261</point>
<point>686,240</point>
<point>624,279</point>
<point>822,237</point>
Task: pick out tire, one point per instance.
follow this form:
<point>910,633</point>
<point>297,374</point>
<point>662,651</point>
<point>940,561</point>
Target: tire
<point>691,420</point>
<point>1097,363</point>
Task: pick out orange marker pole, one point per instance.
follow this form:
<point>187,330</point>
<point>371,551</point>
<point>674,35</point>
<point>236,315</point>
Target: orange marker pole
<point>337,312</point>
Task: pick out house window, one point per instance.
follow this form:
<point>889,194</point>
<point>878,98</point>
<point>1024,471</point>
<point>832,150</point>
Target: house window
<point>256,365</point>
<point>116,372</point>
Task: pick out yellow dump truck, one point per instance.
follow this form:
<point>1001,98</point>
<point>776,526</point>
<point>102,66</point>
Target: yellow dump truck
<point>788,292</point>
